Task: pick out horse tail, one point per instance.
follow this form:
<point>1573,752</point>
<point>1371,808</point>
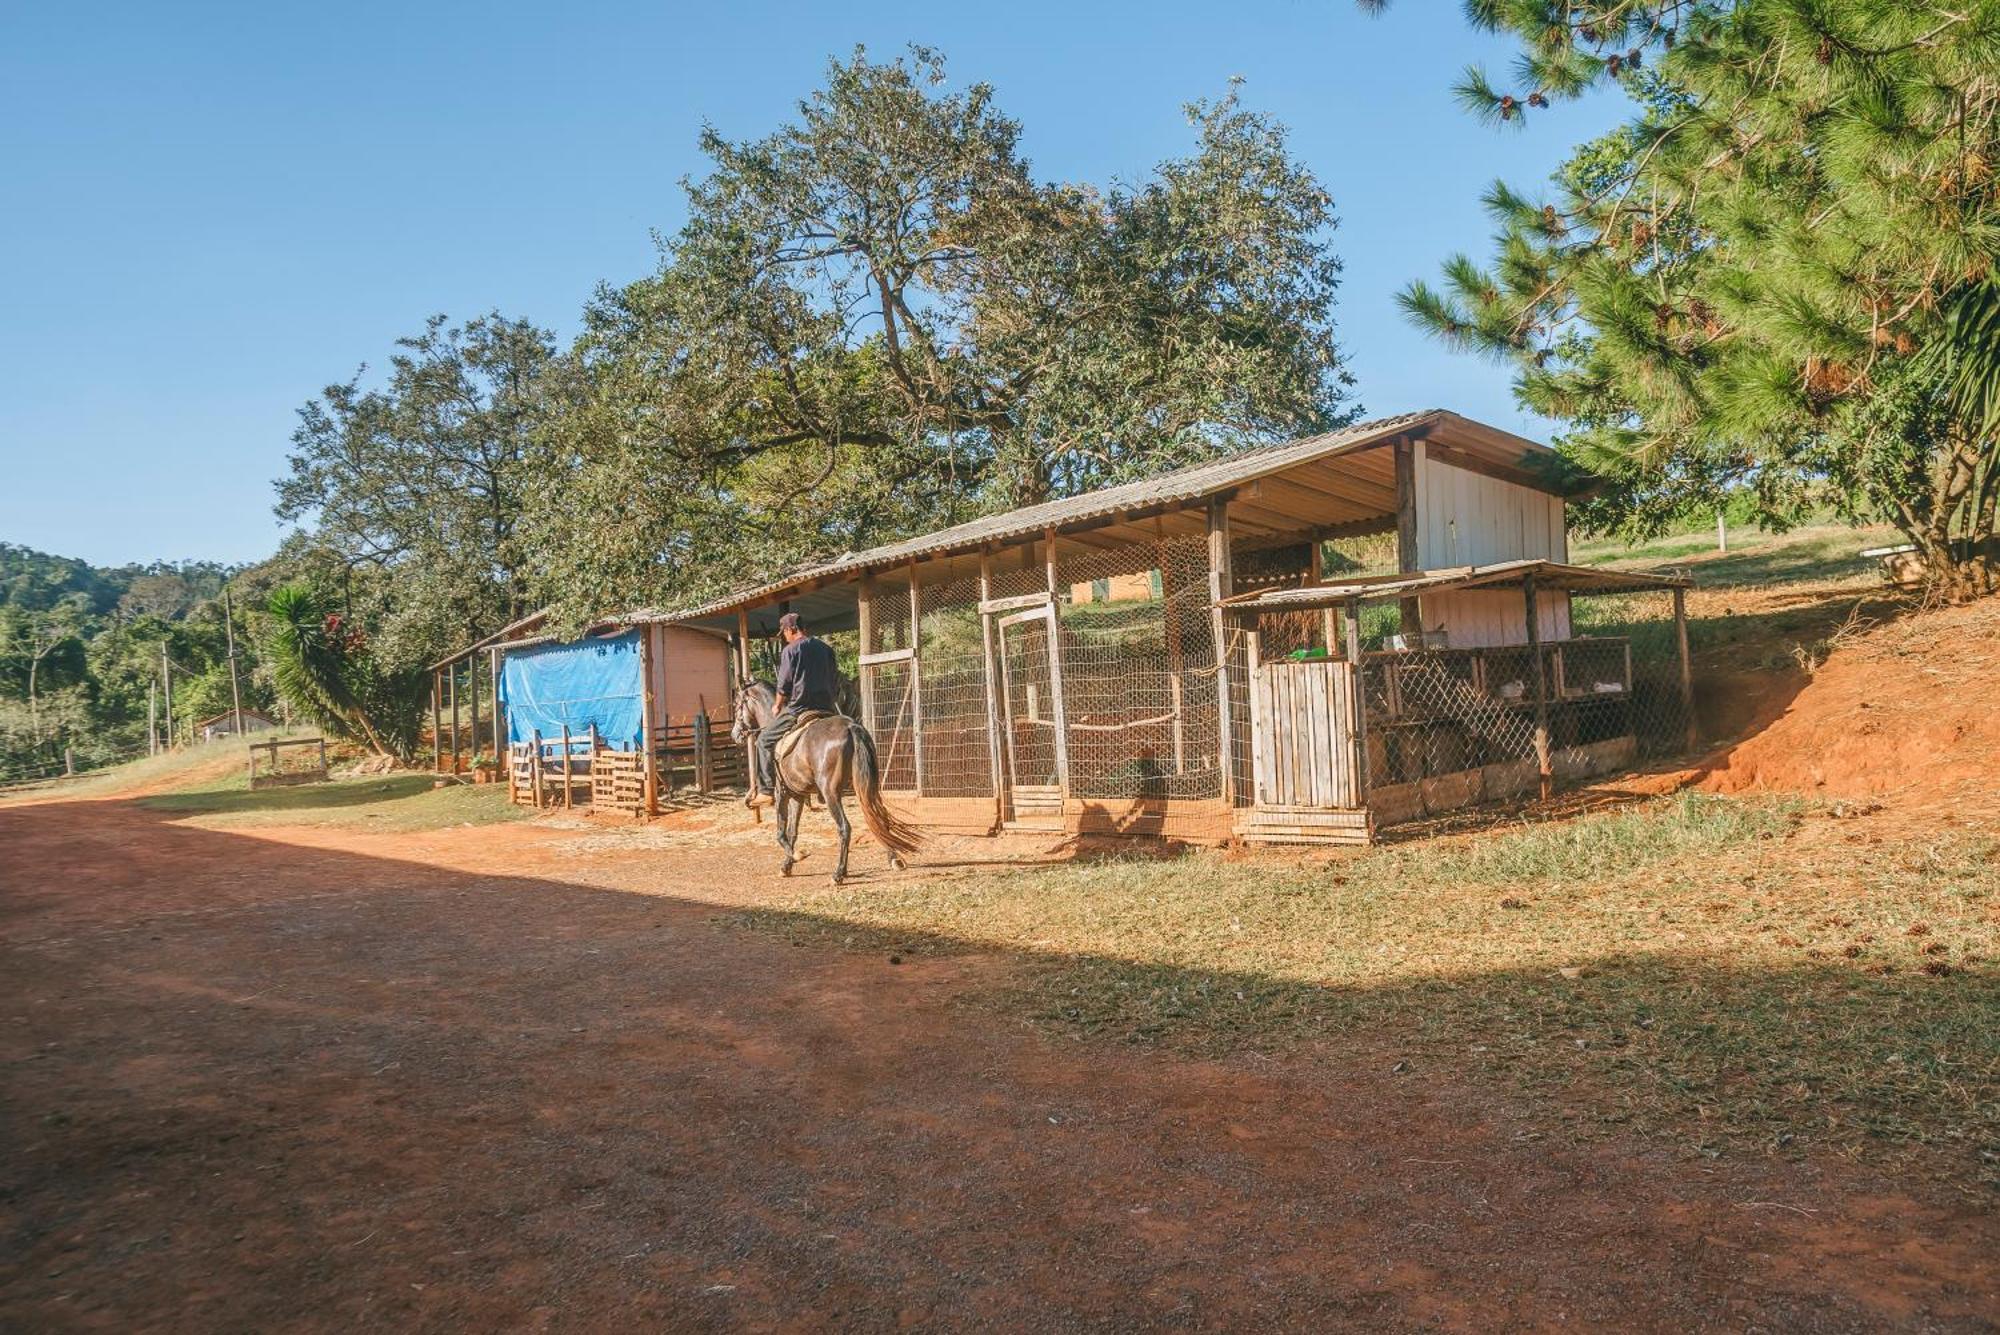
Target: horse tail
<point>890,830</point>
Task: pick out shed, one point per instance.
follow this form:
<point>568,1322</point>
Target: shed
<point>1085,665</point>
<point>611,717</point>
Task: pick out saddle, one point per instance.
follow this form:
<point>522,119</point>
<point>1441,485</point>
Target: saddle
<point>790,741</point>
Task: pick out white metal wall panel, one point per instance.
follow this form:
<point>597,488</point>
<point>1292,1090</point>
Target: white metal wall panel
<point>1469,519</point>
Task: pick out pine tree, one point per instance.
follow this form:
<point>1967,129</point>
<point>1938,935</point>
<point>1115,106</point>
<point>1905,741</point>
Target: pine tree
<point>1780,271</point>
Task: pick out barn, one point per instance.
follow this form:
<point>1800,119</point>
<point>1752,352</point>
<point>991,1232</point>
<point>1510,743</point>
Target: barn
<point>633,709</point>
<point>1302,642</point>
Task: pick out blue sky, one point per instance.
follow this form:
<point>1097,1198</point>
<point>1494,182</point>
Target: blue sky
<point>214,210</point>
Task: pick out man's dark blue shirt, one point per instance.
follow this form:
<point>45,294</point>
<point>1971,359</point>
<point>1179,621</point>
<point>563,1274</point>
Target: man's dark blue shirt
<point>808,674</point>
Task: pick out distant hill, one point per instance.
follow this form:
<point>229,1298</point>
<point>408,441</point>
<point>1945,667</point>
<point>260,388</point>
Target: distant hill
<point>33,581</point>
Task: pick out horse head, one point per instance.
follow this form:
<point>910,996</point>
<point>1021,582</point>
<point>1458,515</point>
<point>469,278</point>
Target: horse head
<point>752,709</point>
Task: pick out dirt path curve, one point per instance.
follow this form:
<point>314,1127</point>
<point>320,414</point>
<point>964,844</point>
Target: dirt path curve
<point>480,1079</point>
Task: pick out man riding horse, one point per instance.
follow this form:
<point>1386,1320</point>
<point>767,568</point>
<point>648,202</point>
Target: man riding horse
<point>808,680</point>
<point>827,753</point>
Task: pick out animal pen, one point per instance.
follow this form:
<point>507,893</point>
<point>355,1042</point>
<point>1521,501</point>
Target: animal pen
<point>617,719</point>
<point>1203,656</point>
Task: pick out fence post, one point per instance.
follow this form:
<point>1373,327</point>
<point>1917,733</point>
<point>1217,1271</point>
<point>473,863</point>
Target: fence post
<point>1687,667</point>
<point>1543,763</point>
<point>703,779</point>
<point>69,762</point>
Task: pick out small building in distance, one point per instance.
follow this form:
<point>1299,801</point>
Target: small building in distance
<point>224,724</point>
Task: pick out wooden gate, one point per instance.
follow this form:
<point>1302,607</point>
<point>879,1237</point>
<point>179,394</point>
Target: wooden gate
<point>1305,754</point>
<point>1033,730</point>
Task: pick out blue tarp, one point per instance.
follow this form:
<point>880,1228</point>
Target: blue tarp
<point>588,682</point>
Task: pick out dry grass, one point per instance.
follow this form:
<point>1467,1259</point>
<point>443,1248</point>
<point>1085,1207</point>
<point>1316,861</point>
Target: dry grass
<point>1728,973</point>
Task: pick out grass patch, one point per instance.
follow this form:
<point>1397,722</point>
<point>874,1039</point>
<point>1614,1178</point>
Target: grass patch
<point>397,802</point>
<point>1728,973</point>
<point>1813,554</point>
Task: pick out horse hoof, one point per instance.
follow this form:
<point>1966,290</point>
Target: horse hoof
<point>785,870</point>
<point>897,864</point>
<point>837,879</point>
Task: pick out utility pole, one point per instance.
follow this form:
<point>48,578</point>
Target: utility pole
<point>235,691</point>
<point>1721,531</point>
<point>152,718</point>
<point>167,689</point>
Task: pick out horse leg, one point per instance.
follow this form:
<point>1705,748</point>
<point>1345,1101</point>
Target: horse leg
<point>785,829</point>
<point>829,791</point>
<point>796,804</point>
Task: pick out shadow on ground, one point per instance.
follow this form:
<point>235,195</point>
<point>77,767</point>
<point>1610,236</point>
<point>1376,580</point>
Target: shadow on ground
<point>257,1084</point>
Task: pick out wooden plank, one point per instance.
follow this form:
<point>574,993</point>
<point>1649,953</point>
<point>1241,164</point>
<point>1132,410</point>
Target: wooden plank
<point>1686,665</point>
<point>1060,710</point>
<point>1407,560</point>
<point>647,740</point>
<point>1014,604</point>
<point>887,656</point>
<point>1221,584</point>
<point>916,676</point>
<point>1540,673</point>
<point>995,764</point>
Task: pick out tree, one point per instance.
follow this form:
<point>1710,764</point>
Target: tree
<point>323,666</point>
<point>1780,271</point>
<point>875,320</point>
<point>413,491</point>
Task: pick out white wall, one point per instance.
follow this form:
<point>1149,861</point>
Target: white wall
<point>1470,519</point>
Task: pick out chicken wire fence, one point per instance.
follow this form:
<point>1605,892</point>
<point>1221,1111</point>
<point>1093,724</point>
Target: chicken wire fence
<point>1601,693</point>
<point>1112,691</point>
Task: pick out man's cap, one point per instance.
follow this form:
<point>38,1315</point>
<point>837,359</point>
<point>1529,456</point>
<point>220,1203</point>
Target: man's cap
<point>789,621</point>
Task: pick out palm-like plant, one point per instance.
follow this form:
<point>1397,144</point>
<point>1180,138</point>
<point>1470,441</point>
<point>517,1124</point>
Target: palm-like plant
<point>315,665</point>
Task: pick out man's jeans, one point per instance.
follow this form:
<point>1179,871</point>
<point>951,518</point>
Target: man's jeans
<point>767,748</point>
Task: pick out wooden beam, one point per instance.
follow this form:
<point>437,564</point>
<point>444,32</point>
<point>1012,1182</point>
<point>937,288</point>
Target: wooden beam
<point>1060,708</point>
<point>1686,665</point>
<point>917,676</point>
<point>1544,761</point>
<point>864,611</point>
<point>648,736</point>
<point>1221,584</point>
<point>996,765</point>
<point>1358,693</point>
<point>1407,557</point>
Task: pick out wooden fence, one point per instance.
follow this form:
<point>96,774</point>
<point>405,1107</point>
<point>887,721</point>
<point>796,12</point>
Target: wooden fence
<point>573,769</point>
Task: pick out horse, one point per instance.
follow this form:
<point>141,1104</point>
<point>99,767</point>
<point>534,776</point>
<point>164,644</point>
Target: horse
<point>835,755</point>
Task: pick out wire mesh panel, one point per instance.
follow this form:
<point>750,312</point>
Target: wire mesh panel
<point>889,703</point>
<point>958,757</point>
<point>1138,668</point>
<point>1450,726</point>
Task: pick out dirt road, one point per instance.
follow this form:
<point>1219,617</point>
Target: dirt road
<point>482,1078</point>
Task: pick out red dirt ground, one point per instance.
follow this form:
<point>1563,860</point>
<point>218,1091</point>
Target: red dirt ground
<point>516,1076</point>
<point>1901,712</point>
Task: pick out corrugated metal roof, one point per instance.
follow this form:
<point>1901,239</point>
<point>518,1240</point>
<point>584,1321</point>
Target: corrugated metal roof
<point>1183,484</point>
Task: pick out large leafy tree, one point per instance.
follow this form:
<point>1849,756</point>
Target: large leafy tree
<point>1780,271</point>
<point>411,492</point>
<point>877,320</point>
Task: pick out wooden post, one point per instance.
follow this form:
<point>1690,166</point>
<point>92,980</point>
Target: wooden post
<point>568,801</point>
<point>995,763</point>
<point>749,742</point>
<point>1544,764</point>
<point>451,685</point>
<point>1407,555</point>
<point>1261,728</point>
<point>322,756</point>
<point>472,684</point>
<point>1221,583</point>
<point>152,718</point>
<point>229,632</point>
<point>69,761</point>
<point>1358,681</point>
<point>702,779</point>
<point>1060,705</point>
<point>649,741</point>
<point>917,677</point>
<point>167,690</point>
<point>1686,664</point>
<point>864,614</point>
<point>500,739</point>
<point>535,765</point>
<point>437,728</point>
<point>1316,574</point>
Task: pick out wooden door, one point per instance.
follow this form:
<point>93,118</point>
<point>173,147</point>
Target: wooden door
<point>1303,726</point>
